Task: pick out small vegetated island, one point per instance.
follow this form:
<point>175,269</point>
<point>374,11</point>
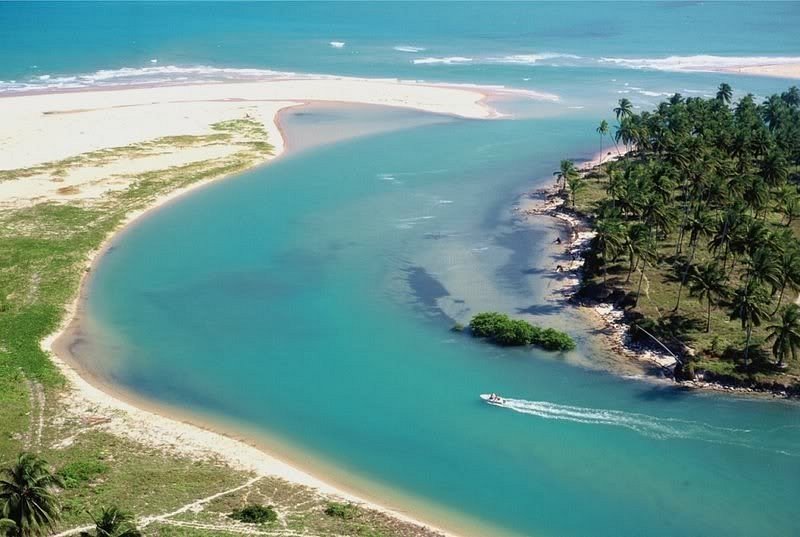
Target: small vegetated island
<point>697,232</point>
<point>508,332</point>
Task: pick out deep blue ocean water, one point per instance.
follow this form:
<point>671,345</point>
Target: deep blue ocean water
<point>309,301</point>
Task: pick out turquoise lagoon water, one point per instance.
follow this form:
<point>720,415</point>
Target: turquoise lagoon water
<point>309,301</point>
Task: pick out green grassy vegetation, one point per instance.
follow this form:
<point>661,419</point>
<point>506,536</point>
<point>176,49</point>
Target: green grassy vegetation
<point>13,409</point>
<point>502,330</point>
<point>100,469</point>
<point>698,234</point>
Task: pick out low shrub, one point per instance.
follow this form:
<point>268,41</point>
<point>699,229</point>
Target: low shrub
<point>553,340</point>
<point>345,511</point>
<point>255,514</point>
<point>503,330</point>
<point>486,324</point>
<point>513,333</point>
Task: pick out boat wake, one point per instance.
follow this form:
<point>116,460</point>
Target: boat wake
<point>655,427</point>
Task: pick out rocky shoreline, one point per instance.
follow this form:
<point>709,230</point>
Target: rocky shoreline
<point>614,325</point>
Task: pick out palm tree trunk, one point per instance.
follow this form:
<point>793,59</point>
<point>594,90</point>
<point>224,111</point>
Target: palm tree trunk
<point>747,343</point>
<point>725,257</point>
<point>639,287</point>
<point>685,274</point>
<point>708,316</point>
<point>733,266</point>
<point>631,267</point>
<point>780,297</point>
<point>601,148</point>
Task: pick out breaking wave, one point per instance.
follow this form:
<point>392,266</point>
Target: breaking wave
<point>137,76</point>
<point>703,62</point>
<point>531,59</point>
<point>408,48</point>
<point>449,60</point>
<point>513,59</point>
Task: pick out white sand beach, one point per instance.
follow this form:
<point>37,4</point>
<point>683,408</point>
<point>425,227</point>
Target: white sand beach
<point>40,129</point>
<point>784,70</point>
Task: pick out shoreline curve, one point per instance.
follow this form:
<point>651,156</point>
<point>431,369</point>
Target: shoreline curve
<point>154,423</point>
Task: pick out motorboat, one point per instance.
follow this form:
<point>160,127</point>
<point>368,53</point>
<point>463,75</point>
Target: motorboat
<point>493,399</point>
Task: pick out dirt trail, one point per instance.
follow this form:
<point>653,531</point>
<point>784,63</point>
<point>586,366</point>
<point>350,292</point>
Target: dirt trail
<point>32,439</point>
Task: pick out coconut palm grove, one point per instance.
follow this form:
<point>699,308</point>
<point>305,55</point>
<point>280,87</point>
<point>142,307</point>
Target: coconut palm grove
<point>696,220</point>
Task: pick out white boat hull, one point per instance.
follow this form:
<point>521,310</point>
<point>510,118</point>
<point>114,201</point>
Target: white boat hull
<point>496,402</point>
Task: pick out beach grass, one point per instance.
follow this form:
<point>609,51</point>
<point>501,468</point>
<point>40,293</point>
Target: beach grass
<point>145,480</point>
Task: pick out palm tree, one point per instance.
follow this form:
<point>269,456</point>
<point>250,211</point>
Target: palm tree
<point>647,252</point>
<point>786,334</point>
<point>576,183</point>
<point>756,194</point>
<point>764,267</point>
<point>26,496</point>
<point>774,168</point>
<point>602,130</point>
<point>773,112</point>
<point>750,307</point>
<point>791,97</point>
<point>701,224</point>
<point>724,93</point>
<point>637,237</point>
<point>624,110</point>
<point>727,229</point>
<point>114,522</point>
<point>710,284</point>
<point>787,202</point>
<point>789,271</point>
<point>565,172</point>
<point>609,238</point>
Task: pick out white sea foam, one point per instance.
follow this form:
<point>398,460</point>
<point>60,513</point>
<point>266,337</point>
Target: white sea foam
<point>511,59</point>
<point>702,62</point>
<point>164,75</point>
<point>531,59</point>
<point>655,93</point>
<point>337,44</point>
<point>449,60</point>
<point>651,426</point>
<point>153,74</point>
<point>408,48</point>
